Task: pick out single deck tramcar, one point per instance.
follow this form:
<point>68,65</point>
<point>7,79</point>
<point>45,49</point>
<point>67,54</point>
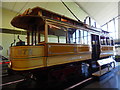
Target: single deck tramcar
<point>56,46</point>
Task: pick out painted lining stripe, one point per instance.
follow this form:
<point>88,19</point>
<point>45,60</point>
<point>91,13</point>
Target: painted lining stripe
<point>29,57</point>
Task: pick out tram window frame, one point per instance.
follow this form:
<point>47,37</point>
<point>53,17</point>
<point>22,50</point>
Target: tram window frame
<point>112,42</point>
<point>103,40</point>
<point>84,37</point>
<point>71,36</point>
<point>89,38</point>
<point>54,32</point>
<point>81,36</point>
<point>107,41</point>
<point>78,36</point>
<point>36,37</point>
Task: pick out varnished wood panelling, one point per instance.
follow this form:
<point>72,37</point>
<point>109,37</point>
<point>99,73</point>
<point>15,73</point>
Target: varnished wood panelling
<point>61,49</point>
<point>27,57</point>
<point>106,51</point>
<point>26,51</point>
<point>83,48</point>
<point>56,60</point>
<point>106,48</point>
<point>64,49</point>
<point>111,48</point>
<point>26,64</point>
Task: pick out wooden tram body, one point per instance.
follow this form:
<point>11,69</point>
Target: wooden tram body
<point>65,51</point>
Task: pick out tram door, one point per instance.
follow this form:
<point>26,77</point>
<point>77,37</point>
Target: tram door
<point>95,47</point>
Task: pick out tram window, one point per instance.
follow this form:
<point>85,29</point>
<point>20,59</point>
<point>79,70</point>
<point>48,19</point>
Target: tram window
<point>85,37</point>
<point>89,38</point>
<point>74,37</point>
<point>62,39</point>
<point>107,41</point>
<point>85,40</point>
<point>85,33</point>
<point>102,41</point>
<point>78,36</point>
<point>81,36</point>
<point>112,43</point>
<point>71,35</point>
<point>42,37</point>
<point>52,39</point>
<point>102,38</point>
<point>36,37</point>
<point>56,34</point>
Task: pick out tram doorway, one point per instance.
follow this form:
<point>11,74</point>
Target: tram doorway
<point>95,47</point>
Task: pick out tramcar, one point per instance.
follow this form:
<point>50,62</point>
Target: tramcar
<point>57,46</point>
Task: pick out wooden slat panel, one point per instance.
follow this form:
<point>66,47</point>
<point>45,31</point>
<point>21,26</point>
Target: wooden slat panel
<point>106,48</point>
<point>106,51</point>
<point>61,49</point>
<point>26,51</point>
<point>111,48</point>
<point>64,49</point>
<point>56,60</point>
<point>26,64</point>
<point>83,48</point>
<point>27,57</point>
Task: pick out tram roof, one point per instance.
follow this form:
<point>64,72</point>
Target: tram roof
<point>36,17</point>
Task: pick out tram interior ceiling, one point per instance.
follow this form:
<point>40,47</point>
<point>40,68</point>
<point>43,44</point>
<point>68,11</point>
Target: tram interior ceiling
<point>58,49</point>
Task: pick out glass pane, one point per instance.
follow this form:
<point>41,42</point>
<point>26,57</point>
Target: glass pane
<point>71,35</point>
<point>78,36</point>
<point>112,42</point>
<point>52,39</point>
<point>85,37</point>
<point>85,33</point>
<point>42,38</point>
<point>103,40</point>
<point>74,41</point>
<point>56,34</point>
<point>81,33</point>
<point>107,41</point>
<point>85,40</point>
<point>81,36</point>
<point>77,33</point>
<point>62,39</point>
<point>89,39</point>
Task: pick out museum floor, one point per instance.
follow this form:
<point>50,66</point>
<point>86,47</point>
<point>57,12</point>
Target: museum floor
<point>112,81</point>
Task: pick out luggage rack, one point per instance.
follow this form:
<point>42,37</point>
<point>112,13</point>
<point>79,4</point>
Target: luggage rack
<point>110,64</point>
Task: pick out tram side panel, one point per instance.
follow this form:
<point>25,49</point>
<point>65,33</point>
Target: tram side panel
<point>106,51</point>
<point>63,53</point>
<point>27,57</point>
<point>31,57</point>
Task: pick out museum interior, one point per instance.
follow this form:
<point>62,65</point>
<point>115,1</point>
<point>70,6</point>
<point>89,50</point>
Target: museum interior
<point>59,44</point>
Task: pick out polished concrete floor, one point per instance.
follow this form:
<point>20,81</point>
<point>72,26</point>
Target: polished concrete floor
<point>112,81</point>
